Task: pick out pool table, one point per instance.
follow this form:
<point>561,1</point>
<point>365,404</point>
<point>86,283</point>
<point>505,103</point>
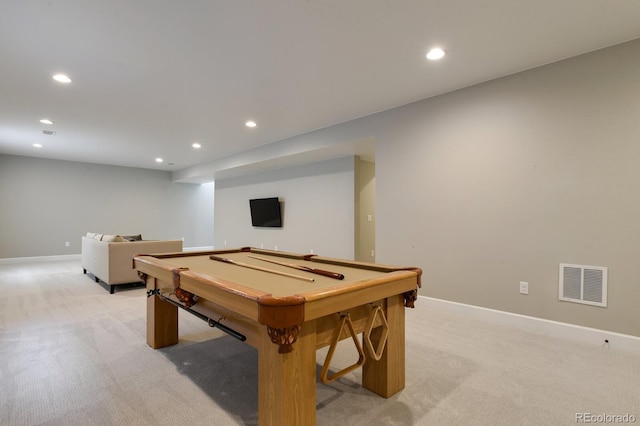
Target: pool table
<point>287,306</point>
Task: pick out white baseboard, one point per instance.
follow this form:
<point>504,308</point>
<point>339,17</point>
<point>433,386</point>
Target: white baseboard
<point>56,258</point>
<point>576,333</point>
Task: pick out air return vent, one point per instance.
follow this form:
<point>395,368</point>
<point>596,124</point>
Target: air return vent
<point>583,284</point>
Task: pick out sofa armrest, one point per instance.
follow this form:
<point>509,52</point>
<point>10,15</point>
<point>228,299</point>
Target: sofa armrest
<point>95,258</point>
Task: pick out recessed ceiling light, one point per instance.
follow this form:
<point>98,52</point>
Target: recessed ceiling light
<point>196,145</point>
<point>250,124</point>
<point>159,160</point>
<point>61,78</point>
<point>37,145</point>
<point>435,54</point>
<point>46,121</point>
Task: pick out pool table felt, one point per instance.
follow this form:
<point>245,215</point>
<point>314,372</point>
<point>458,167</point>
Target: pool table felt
<point>269,283</point>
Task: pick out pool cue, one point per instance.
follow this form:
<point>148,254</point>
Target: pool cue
<point>259,268</point>
<point>329,274</point>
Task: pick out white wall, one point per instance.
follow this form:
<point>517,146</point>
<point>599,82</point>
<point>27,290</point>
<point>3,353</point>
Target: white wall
<point>45,203</point>
<point>365,210</point>
<point>499,183</point>
<point>318,209</point>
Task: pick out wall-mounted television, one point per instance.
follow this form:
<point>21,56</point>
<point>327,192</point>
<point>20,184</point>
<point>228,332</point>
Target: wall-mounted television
<point>265,212</point>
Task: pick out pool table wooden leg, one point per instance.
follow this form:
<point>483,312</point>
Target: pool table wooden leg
<point>387,376</point>
<point>162,320</point>
<point>287,382</point>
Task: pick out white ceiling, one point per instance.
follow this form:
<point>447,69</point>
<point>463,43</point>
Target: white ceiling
<point>151,77</point>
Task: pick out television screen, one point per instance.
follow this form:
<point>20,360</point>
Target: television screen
<point>265,212</point>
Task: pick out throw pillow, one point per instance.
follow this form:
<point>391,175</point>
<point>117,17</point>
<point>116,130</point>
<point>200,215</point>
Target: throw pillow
<point>113,238</point>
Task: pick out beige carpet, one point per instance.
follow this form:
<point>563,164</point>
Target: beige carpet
<point>72,354</point>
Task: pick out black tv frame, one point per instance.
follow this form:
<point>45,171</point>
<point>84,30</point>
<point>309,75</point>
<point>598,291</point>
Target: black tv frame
<point>266,212</point>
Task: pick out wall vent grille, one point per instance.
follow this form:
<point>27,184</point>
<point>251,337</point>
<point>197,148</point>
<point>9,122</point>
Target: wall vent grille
<point>583,284</point>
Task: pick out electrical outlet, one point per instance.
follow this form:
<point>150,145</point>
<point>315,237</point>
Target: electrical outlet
<point>67,244</point>
<point>311,251</point>
<point>524,287</point>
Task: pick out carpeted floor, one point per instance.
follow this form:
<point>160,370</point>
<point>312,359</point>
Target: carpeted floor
<point>72,354</point>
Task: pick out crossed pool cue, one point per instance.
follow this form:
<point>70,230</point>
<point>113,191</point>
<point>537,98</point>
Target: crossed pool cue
<point>329,274</point>
<point>259,268</point>
<point>273,271</point>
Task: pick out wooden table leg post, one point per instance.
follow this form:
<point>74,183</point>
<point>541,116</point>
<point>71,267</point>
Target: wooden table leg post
<point>162,320</point>
<point>287,382</point>
<point>387,376</point>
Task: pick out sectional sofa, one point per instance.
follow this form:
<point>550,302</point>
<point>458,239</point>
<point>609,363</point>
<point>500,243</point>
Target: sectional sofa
<point>109,257</point>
